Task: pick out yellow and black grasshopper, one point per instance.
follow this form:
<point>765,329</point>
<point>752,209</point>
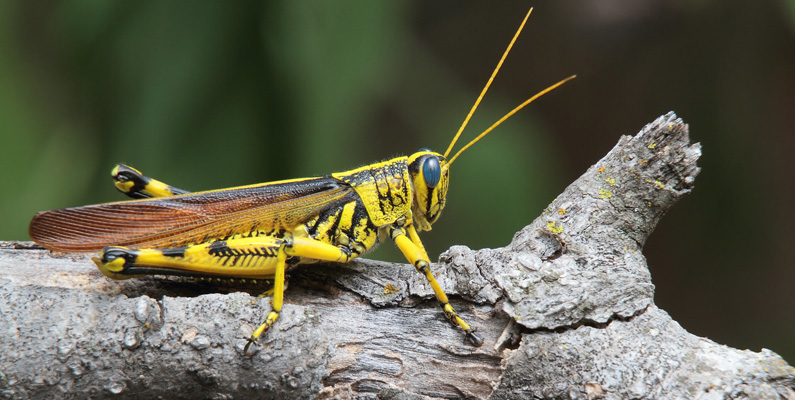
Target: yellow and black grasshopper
<point>259,231</point>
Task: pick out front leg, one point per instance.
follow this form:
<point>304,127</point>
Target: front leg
<point>415,253</point>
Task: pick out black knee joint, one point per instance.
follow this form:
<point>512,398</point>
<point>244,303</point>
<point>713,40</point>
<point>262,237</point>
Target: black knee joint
<point>123,174</point>
<point>110,254</point>
<point>422,267</point>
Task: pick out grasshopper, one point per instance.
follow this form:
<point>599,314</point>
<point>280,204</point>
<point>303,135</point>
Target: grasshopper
<point>259,231</point>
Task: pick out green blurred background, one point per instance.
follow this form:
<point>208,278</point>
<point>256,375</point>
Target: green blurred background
<point>211,94</point>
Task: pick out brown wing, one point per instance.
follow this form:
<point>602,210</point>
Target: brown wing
<point>190,218</point>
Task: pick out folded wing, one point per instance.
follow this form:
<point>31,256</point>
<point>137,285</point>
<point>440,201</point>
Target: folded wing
<point>190,218</point>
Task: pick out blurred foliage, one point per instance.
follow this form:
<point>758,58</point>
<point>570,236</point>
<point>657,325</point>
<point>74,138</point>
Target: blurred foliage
<point>206,94</point>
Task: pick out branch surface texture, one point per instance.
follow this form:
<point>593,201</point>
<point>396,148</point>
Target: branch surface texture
<point>566,310</point>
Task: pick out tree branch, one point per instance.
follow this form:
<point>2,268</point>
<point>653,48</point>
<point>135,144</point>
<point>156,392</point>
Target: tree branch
<point>566,309</point>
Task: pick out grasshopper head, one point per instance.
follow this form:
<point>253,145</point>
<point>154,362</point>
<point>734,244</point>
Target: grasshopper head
<point>429,177</point>
<point>430,170</point>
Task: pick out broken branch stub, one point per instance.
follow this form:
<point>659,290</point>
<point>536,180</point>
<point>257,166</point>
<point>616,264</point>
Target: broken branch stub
<point>581,260</point>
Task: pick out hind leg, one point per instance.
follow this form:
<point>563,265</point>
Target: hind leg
<point>253,257</point>
<point>133,183</point>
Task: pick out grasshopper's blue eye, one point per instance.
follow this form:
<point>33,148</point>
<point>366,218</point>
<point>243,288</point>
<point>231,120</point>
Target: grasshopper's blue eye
<point>425,149</point>
<point>431,171</point>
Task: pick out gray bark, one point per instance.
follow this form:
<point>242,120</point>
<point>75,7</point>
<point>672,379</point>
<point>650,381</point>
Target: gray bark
<point>566,310</point>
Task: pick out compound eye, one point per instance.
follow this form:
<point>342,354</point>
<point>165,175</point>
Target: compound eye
<point>431,171</point>
<point>424,149</point>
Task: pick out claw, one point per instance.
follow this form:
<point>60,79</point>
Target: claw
<point>474,339</point>
<point>261,330</point>
<point>250,341</point>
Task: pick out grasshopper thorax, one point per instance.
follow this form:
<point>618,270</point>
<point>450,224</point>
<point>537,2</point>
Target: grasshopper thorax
<point>429,179</point>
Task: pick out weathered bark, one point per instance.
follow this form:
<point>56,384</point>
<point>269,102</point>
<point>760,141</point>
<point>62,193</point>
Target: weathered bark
<point>566,309</point>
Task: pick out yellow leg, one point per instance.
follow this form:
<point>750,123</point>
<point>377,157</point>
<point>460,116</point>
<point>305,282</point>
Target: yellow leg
<point>301,247</point>
<point>315,249</point>
<point>416,255</point>
<point>258,257</point>
<point>248,258</point>
<point>415,238</point>
<point>133,183</point>
<point>276,303</point>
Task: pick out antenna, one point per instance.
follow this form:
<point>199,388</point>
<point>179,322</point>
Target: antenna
<point>506,116</point>
<point>486,88</point>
